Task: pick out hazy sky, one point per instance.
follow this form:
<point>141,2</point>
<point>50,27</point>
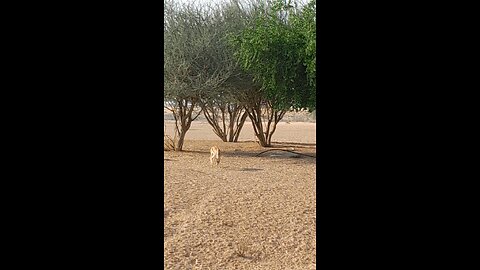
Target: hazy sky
<point>200,1</point>
<point>219,1</point>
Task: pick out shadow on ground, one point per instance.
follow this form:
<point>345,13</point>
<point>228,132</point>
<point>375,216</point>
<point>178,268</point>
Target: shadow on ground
<point>273,154</point>
<point>250,169</point>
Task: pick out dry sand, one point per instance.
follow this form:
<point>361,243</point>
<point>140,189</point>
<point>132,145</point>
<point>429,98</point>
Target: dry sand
<point>247,213</point>
<point>286,132</point>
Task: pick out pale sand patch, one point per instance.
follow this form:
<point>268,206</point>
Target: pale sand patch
<point>285,132</point>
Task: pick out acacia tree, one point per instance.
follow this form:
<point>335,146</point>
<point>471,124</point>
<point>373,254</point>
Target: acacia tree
<point>224,107</point>
<point>193,63</point>
<point>226,115</point>
<point>263,115</point>
<point>304,23</point>
<point>221,107</point>
<point>278,56</point>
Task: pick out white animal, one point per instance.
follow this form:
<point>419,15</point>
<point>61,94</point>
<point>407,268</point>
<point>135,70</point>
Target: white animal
<point>214,155</point>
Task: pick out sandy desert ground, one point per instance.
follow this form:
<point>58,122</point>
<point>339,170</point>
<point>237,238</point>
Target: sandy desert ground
<point>249,212</point>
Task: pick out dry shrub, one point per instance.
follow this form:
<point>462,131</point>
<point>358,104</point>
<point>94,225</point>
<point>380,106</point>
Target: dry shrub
<point>244,249</point>
<point>169,143</point>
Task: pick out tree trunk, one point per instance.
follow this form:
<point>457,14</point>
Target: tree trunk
<point>240,126</point>
<point>255,115</point>
<point>237,120</point>
<point>277,116</point>
<point>181,139</point>
<point>216,116</point>
<point>272,118</point>
<point>232,115</point>
<point>183,114</point>
<point>210,113</point>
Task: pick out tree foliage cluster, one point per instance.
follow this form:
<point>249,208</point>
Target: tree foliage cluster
<point>236,60</point>
<point>279,49</point>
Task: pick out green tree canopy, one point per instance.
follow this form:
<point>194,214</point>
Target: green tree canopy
<point>278,49</point>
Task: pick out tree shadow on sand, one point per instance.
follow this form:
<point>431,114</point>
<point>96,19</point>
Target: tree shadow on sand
<point>272,153</point>
<point>250,169</point>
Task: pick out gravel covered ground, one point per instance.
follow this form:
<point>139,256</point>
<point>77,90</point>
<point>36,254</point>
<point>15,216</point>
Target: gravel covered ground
<point>247,213</point>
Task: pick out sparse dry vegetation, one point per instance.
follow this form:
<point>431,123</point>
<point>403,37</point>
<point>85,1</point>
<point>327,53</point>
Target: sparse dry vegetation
<point>169,142</point>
